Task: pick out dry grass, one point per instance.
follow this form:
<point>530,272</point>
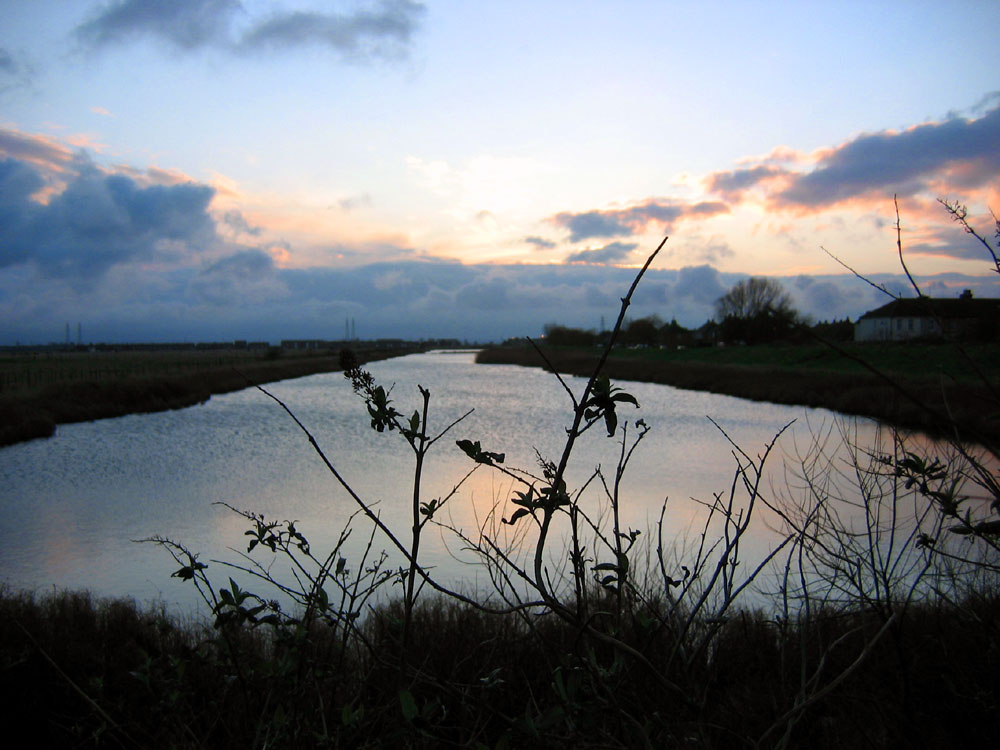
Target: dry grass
<point>107,673</point>
<point>43,392</point>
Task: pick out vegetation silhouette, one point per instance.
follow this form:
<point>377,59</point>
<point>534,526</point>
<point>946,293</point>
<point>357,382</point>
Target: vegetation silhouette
<point>881,630</point>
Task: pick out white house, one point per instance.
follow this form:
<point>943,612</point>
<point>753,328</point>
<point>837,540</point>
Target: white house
<point>926,318</point>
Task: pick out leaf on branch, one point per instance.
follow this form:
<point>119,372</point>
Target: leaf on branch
<point>603,400</point>
<point>187,573</point>
<point>477,454</point>
<point>408,705</point>
<point>516,515</point>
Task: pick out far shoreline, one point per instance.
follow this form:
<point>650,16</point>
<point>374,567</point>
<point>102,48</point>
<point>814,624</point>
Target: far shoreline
<point>848,390</point>
<point>145,383</point>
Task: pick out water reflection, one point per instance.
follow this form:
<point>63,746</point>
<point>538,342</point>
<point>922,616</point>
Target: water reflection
<point>71,505</point>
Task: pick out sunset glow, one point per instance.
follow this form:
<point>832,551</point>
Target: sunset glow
<point>508,161</point>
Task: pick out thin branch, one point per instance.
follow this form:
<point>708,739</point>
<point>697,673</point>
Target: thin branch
<point>899,249</point>
<point>880,287</point>
<point>959,213</point>
<point>553,370</point>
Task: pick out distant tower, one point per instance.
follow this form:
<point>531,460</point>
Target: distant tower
<point>354,334</point>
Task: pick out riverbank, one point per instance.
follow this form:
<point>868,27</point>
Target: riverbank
<point>43,391</point>
<point>811,375</point>
<point>84,672</point>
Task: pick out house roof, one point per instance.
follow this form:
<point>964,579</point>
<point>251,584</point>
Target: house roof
<point>927,307</point>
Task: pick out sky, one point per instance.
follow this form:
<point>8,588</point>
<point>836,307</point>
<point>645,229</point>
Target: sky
<point>211,170</point>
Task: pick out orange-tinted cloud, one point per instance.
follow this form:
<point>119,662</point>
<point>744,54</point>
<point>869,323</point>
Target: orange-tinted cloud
<point>42,151</point>
<point>627,222</point>
<point>955,156</point>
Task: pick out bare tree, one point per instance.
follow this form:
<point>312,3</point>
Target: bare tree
<point>755,310</point>
<point>753,297</point>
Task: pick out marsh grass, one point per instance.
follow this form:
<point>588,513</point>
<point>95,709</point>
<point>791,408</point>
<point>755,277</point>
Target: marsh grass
<point>40,392</point>
<point>107,673</point>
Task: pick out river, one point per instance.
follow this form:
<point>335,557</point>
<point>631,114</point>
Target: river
<point>72,506</point>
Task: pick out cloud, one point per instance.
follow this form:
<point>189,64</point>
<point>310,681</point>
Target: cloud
<point>236,221</point>
<point>383,29</point>
<point>184,24</point>
<point>7,63</point>
<point>635,220</point>
<point>354,202</point>
<point>44,152</point>
<point>540,243</point>
<point>611,253</point>
<point>244,264</point>
<point>956,155</point>
<point>98,220</point>
<point>245,278</point>
<point>901,163</point>
<point>711,250</point>
<point>14,72</point>
<point>959,153</point>
<point>18,182</point>
<point>702,284</point>
<point>731,184</point>
<point>591,224</point>
<point>243,294</point>
<point>484,295</point>
<point>822,296</point>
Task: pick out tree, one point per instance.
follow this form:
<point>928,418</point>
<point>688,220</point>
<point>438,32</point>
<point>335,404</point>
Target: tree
<point>560,335</point>
<point>642,332</point>
<point>755,310</point>
<point>752,297</point>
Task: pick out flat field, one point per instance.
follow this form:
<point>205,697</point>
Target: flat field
<point>43,389</point>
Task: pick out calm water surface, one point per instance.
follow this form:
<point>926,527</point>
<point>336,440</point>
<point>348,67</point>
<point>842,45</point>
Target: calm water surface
<point>71,506</point>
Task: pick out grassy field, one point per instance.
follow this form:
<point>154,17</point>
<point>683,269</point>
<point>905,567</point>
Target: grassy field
<point>22,373</point>
<point>918,360</point>
<point>935,380</point>
<point>40,391</point>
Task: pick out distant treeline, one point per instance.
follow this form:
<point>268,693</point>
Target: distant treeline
<point>653,332</point>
